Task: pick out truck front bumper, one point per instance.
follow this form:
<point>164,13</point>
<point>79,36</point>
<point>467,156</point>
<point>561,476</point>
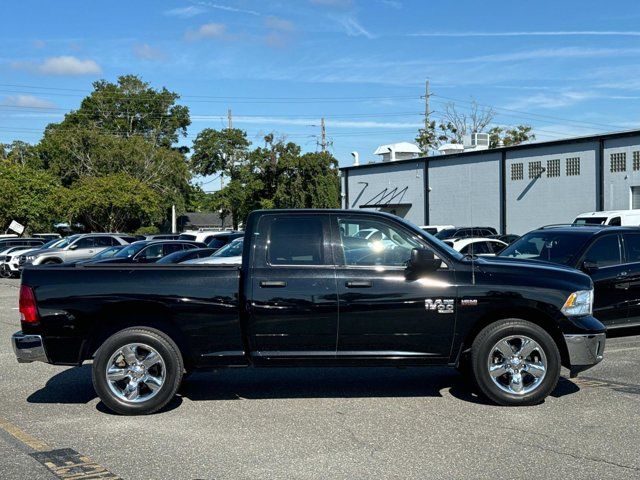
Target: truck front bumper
<point>585,351</point>
<point>28,348</point>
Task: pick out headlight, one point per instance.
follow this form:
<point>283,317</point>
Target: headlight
<point>579,303</point>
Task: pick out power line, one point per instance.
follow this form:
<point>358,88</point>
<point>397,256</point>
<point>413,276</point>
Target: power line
<point>523,112</point>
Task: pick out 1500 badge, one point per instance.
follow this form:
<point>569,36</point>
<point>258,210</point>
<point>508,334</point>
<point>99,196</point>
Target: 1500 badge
<point>444,305</point>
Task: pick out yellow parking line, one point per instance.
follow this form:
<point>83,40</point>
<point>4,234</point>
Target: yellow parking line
<point>65,463</point>
<point>24,437</point>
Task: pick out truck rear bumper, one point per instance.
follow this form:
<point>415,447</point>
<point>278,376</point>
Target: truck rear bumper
<point>28,348</point>
<point>585,351</point>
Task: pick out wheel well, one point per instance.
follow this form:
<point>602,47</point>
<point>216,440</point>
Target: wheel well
<point>531,315</point>
<point>51,260</point>
<point>118,319</point>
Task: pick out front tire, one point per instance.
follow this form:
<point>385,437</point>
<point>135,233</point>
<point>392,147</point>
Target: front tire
<point>137,371</point>
<point>515,362</point>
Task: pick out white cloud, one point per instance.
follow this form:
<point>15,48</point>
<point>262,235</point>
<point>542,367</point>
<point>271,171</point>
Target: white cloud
<point>276,23</point>
<point>227,8</point>
<point>565,52</point>
<point>63,65</point>
<point>185,12</point>
<point>392,3</point>
<point>559,33</point>
<point>333,3</point>
<point>147,52</point>
<point>353,28</point>
<point>27,101</point>
<point>68,65</point>
<point>208,30</point>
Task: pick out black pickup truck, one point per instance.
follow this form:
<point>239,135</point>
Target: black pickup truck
<point>312,292</point>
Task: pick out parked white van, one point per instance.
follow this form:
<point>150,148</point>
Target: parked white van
<point>613,217</point>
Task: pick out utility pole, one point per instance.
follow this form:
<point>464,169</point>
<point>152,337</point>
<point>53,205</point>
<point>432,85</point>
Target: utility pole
<point>323,136</point>
<point>229,127</point>
<point>426,104</point>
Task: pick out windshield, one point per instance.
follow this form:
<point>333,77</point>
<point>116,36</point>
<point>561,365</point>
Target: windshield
<point>130,250</point>
<point>556,247</point>
<point>233,249</point>
<point>107,253</point>
<point>590,221</point>
<point>51,243</point>
<point>64,242</point>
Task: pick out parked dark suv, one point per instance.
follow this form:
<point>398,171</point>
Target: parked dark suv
<point>609,255</point>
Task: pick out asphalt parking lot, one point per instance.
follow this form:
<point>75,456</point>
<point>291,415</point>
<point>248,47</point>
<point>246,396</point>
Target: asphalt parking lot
<point>318,423</point>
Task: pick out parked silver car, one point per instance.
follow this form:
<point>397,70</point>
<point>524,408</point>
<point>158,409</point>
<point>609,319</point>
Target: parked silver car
<point>73,248</point>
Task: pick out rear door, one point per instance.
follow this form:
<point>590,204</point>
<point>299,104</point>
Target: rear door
<point>293,304</point>
<point>385,314</point>
<point>610,279</point>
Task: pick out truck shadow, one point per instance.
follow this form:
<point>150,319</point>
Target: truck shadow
<point>73,386</point>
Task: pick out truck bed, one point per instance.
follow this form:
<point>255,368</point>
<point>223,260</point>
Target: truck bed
<point>81,305</point>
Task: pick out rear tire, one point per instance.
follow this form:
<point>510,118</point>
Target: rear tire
<point>137,371</point>
<point>515,362</point>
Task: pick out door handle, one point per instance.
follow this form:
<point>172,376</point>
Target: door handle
<point>622,275</point>
<point>359,284</point>
<point>272,284</point>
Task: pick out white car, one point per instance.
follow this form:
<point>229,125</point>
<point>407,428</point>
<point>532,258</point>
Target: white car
<point>10,264</point>
<point>204,236</point>
<point>613,218</point>
<point>487,247</point>
<point>230,254</point>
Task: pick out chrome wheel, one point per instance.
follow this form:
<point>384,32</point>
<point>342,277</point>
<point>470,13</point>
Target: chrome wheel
<point>517,364</point>
<point>135,372</point>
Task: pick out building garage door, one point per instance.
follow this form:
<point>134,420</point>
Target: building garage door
<point>635,197</point>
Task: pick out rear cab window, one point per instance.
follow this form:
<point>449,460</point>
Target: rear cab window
<point>293,240</point>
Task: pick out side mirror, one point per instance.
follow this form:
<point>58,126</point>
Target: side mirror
<point>73,247</point>
<point>423,260</point>
<point>589,266</point>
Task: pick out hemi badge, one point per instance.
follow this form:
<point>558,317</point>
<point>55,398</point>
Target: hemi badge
<point>468,302</point>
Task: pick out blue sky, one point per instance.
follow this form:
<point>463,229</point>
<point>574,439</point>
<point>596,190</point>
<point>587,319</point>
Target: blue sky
<point>567,68</point>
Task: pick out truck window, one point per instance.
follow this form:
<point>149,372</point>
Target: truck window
<point>604,252</point>
<point>615,222</point>
<point>632,247</point>
<point>296,241</point>
<point>393,248</point>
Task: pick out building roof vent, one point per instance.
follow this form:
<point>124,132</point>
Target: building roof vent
<point>476,141</point>
<point>398,151</point>
<point>449,148</point>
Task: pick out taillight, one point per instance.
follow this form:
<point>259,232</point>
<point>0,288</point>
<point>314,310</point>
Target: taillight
<point>28,309</point>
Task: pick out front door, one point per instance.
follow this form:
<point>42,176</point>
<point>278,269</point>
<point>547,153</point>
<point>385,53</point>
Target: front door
<point>384,313</point>
<point>293,303</point>
<point>603,262</point>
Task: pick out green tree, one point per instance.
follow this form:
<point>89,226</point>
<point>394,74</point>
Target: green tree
<point>427,138</point>
<point>29,196</point>
<point>510,136</point>
<point>129,108</point>
<point>113,203</point>
<point>21,153</point>
<point>219,151</point>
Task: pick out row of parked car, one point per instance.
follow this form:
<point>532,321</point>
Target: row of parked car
<point>204,247</point>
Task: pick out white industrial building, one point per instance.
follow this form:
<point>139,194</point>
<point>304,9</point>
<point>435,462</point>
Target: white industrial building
<point>513,189</point>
